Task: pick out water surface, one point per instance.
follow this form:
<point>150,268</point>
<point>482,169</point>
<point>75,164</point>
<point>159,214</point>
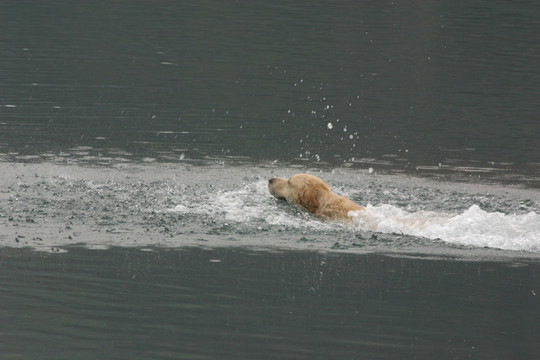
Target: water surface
<point>48,206</point>
<point>136,140</point>
<point>410,85</point>
<point>232,303</point>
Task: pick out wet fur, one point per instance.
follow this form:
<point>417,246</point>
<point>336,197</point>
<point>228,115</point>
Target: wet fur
<point>313,195</point>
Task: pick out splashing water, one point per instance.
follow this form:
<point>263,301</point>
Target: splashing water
<point>154,205</point>
<point>474,227</point>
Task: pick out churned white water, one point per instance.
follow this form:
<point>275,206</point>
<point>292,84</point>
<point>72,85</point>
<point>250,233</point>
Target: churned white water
<point>51,207</point>
<point>473,226</point>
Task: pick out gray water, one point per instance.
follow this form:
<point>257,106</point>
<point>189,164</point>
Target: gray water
<point>136,140</point>
<point>406,84</point>
<point>233,303</point>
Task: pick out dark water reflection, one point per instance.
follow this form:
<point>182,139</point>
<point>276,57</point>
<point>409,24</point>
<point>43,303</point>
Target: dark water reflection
<point>233,303</point>
<point>428,86</point>
<point>404,83</point>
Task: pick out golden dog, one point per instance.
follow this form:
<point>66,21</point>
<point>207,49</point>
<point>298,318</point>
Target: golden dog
<point>312,194</point>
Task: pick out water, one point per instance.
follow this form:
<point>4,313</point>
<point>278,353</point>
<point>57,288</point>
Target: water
<point>49,206</point>
<point>136,140</point>
<point>458,88</point>
<point>234,303</point>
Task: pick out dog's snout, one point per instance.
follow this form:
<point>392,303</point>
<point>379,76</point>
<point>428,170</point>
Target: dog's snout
<point>270,181</point>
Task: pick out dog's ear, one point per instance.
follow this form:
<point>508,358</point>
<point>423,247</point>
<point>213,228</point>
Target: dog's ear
<point>309,199</point>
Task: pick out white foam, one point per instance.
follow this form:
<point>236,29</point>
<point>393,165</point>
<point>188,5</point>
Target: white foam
<point>235,205</point>
<point>251,205</point>
<point>474,227</point>
<point>179,209</point>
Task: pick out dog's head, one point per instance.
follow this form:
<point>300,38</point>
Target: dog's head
<point>303,189</point>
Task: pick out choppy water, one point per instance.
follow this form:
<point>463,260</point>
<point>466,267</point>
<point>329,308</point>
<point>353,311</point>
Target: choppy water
<point>49,206</point>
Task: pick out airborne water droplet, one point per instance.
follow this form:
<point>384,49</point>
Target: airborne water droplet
<point>330,126</point>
